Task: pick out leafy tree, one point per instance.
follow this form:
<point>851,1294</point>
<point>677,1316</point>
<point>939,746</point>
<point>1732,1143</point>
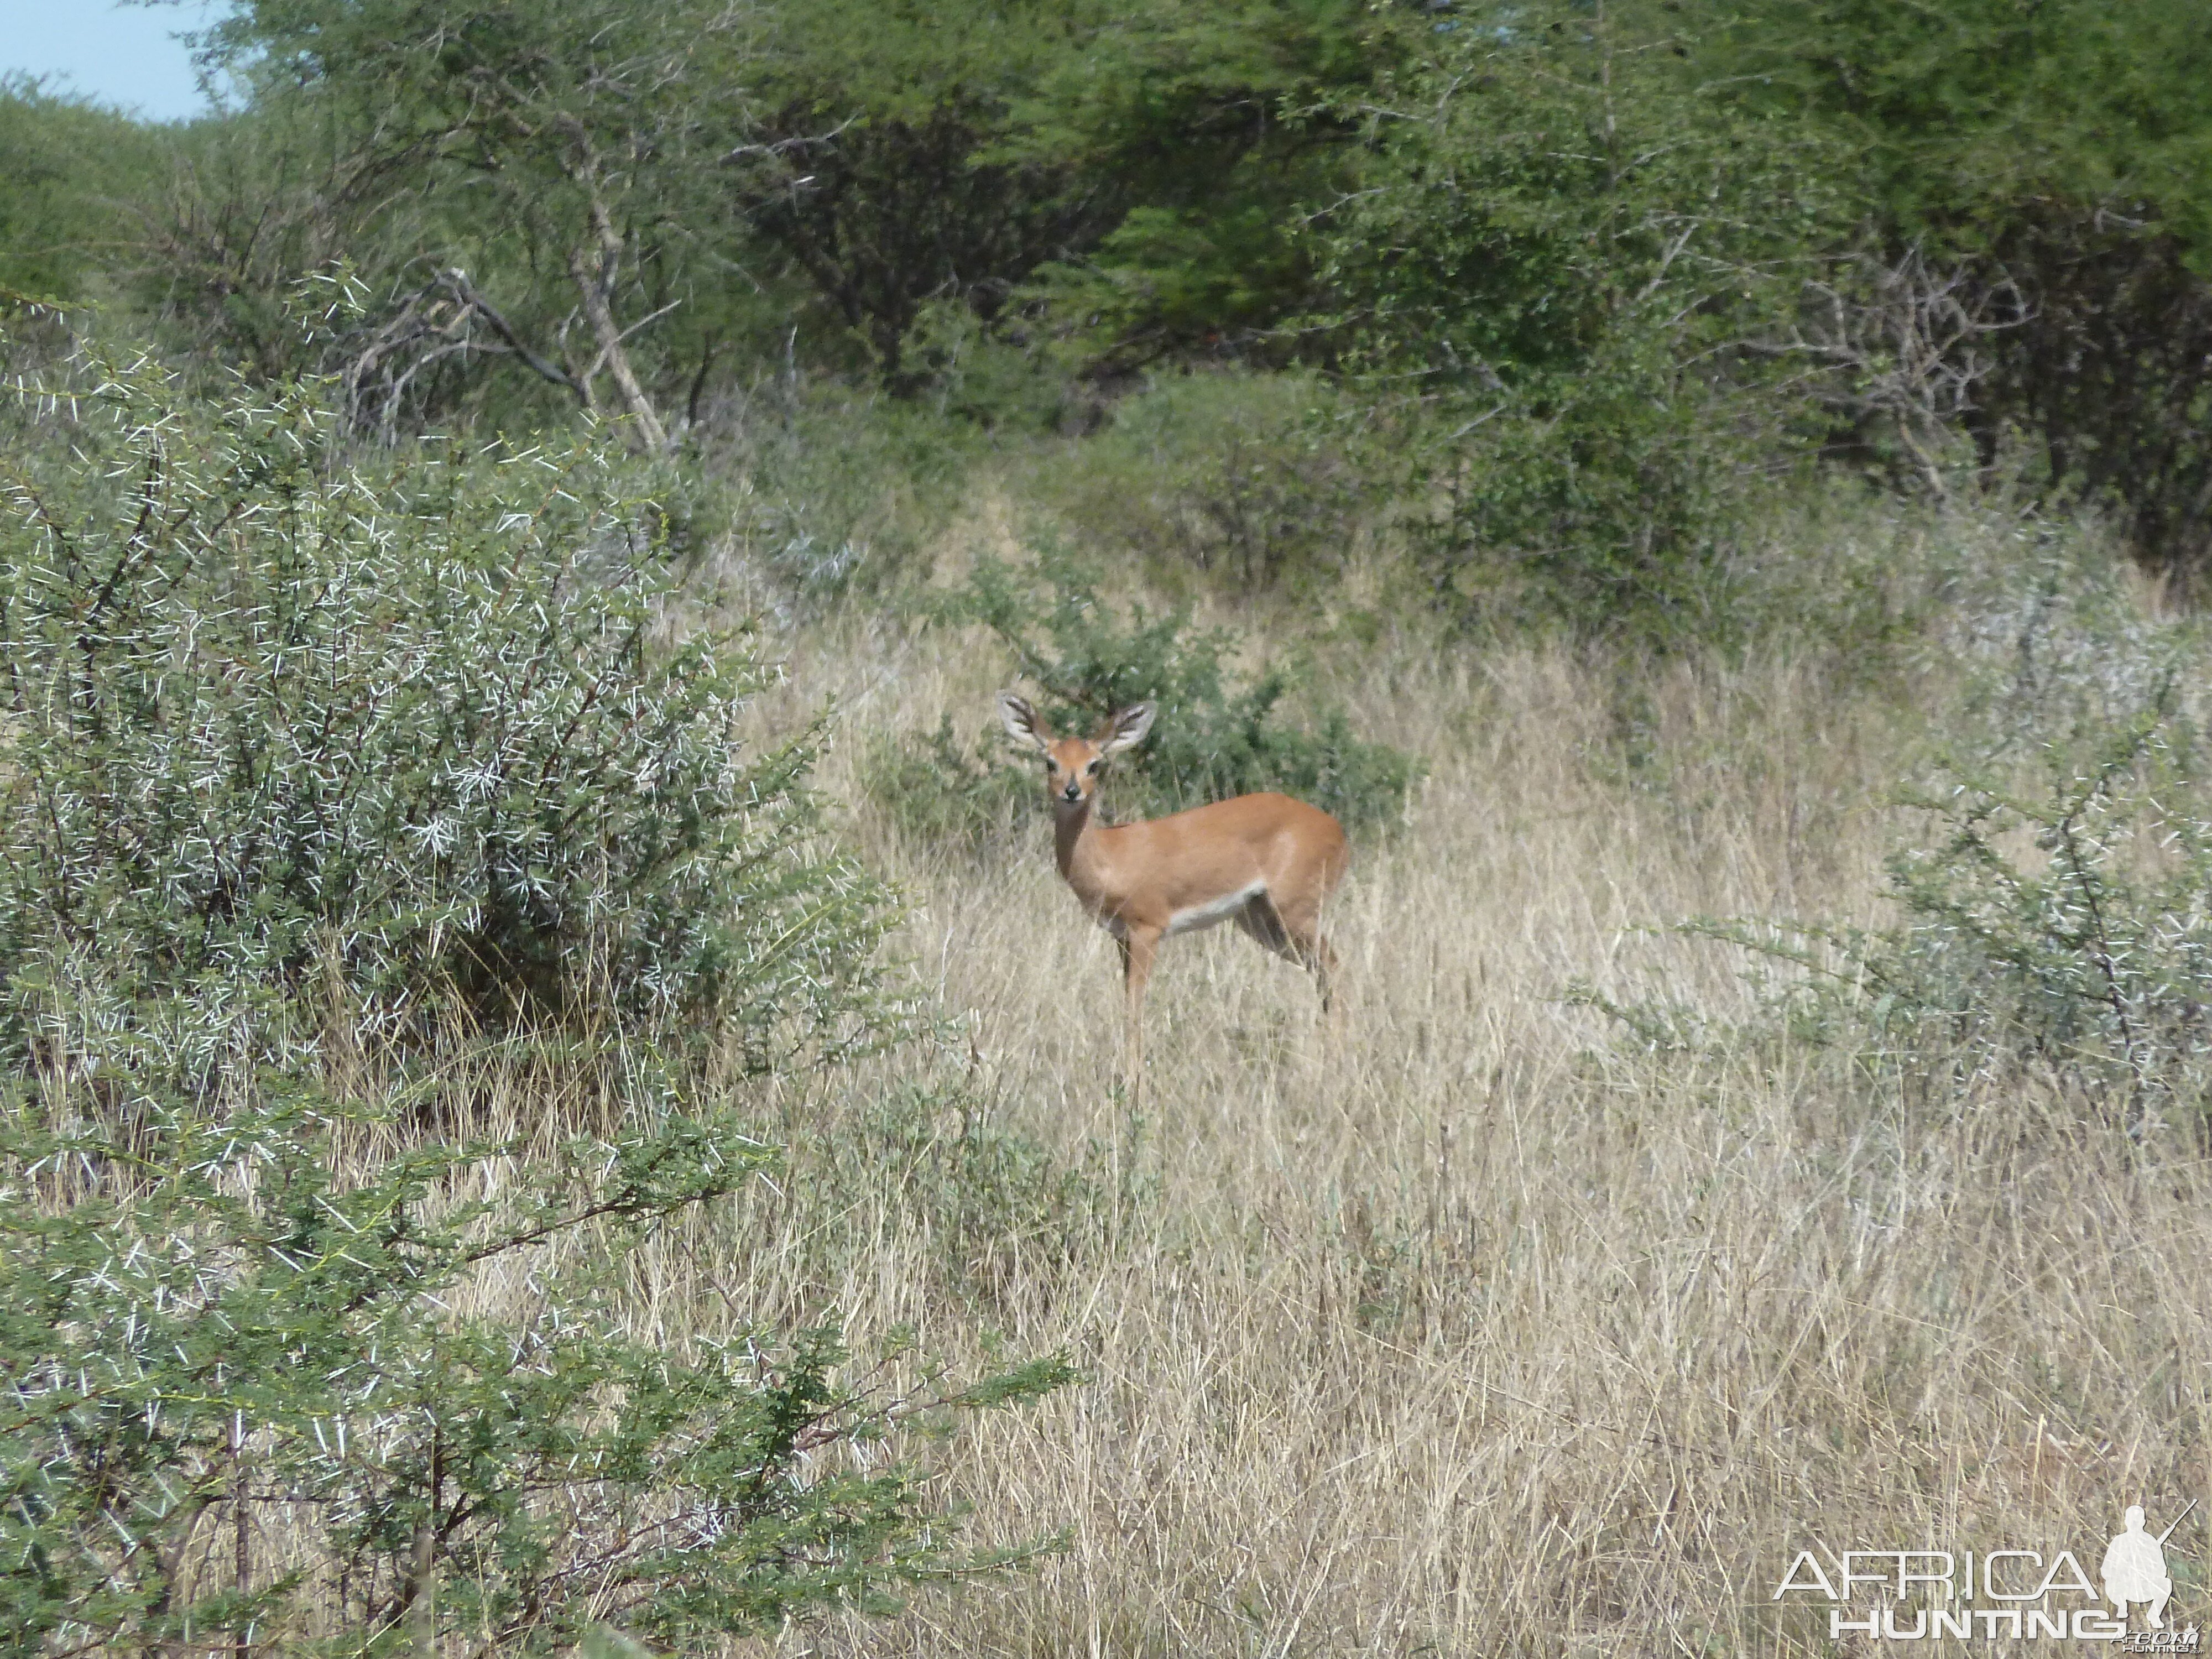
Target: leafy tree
<point>610,193</point>
<point>567,154</point>
<point>66,169</point>
<point>1970,115</point>
<point>1571,249</point>
<point>1139,169</point>
<point>242,208</point>
<point>2058,155</point>
<point>879,173</point>
<point>1230,125</point>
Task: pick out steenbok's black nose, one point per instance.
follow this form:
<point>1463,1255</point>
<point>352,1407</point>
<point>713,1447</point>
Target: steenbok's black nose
<point>1074,792</point>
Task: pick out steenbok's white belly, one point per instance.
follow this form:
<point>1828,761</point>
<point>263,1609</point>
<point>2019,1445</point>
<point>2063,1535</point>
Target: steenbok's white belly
<point>1215,912</point>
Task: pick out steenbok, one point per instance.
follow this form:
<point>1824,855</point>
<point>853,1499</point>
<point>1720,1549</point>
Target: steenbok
<point>1265,862</point>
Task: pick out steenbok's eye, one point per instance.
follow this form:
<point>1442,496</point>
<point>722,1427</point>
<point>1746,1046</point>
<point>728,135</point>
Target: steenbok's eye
<point>1093,767</point>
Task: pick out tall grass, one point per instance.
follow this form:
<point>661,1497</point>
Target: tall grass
<point>1475,1320</point>
<point>1480,1322</point>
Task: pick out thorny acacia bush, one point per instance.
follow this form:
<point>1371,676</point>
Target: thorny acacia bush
<point>329,798</point>
<point>2055,909</point>
<point>1213,740</point>
<point>2063,932</point>
<point>274,722</point>
<point>237,1407</point>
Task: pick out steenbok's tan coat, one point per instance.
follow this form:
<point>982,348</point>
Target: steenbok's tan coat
<point>1265,862</point>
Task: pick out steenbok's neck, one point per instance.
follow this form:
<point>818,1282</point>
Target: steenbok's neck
<point>1069,826</point>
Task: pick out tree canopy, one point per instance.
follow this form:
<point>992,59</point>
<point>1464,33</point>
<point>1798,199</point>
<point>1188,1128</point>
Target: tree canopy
<point>636,208</point>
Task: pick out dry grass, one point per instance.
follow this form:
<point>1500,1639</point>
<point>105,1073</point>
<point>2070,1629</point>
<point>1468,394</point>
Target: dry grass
<point>1465,1326</point>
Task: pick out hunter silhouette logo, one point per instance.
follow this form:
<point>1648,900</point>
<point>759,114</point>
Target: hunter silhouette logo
<point>2134,1567</point>
<point>2015,1594</point>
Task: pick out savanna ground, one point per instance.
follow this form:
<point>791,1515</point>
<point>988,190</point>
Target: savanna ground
<point>1473,1320</point>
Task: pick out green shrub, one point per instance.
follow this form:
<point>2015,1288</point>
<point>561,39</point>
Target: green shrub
<point>1571,261</point>
<point>70,163</point>
<point>962,367</point>
<point>308,775</point>
<point>2053,906</point>
<point>279,729</point>
<point>2062,932</point>
<point>832,492</point>
<point>1604,512</point>
<point>1240,476</point>
<point>935,792</point>
<point>239,1408</point>
<point>987,1203</point>
<point>1213,740</point>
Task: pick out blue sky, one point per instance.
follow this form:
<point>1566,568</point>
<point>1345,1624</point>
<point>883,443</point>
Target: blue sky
<point>120,55</point>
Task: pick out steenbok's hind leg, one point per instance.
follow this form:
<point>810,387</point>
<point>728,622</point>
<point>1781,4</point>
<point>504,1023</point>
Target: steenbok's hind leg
<point>1286,938</point>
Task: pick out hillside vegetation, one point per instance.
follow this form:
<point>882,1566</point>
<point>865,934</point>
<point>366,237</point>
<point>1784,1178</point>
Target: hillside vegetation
<point>551,1096</point>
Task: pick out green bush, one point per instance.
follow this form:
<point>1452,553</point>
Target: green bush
<point>1211,740</point>
<point>2060,932</point>
<point>989,1202</point>
<point>934,791</point>
<point>1571,265</point>
<point>69,164</point>
<point>335,802</point>
<point>1241,476</point>
<point>1603,512</point>
<point>280,729</point>
<point>833,492</point>
<point>238,1345</point>
<point>2047,160</point>
<point>962,367</point>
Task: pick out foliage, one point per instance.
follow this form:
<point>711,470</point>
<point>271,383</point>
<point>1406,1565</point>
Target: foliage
<point>567,154</point>
<point>1000,379</point>
<point>339,800</point>
<point>501,171</point>
<point>2054,156</point>
<point>826,491</point>
<point>880,182</point>
<point>1211,740</point>
<point>282,732</point>
<point>934,790</point>
<point>1973,114</point>
<point>990,1203</point>
<point>1223,128</point>
<point>68,161</point>
<point>2061,935</point>
<point>1125,176</point>
<point>1571,250</point>
<point>2114,379</point>
<point>1245,476</point>
<point>1593,276</point>
<point>239,1404</point>
<point>207,243</point>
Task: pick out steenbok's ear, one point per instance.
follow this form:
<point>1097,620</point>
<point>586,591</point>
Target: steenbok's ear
<point>1127,729</point>
<point>1022,723</point>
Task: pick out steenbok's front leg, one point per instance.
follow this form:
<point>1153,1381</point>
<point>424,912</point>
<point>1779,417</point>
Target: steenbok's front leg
<point>1139,946</point>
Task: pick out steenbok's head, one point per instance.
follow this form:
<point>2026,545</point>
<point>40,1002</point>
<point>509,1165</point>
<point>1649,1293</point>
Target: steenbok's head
<point>1073,765</point>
